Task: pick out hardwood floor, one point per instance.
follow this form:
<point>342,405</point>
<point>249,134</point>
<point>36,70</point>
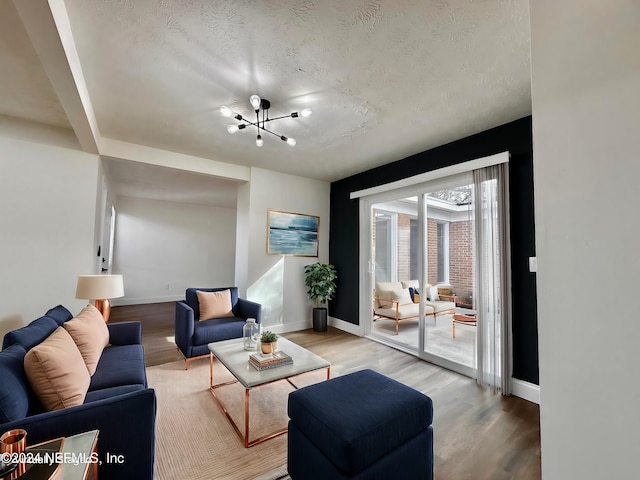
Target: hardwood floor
<point>157,329</point>
<point>478,435</point>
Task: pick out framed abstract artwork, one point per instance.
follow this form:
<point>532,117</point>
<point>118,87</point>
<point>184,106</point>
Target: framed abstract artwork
<point>292,234</point>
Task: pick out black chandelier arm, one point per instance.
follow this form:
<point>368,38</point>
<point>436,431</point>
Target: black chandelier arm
<point>259,122</point>
<point>247,123</point>
<point>259,127</point>
<point>278,118</point>
<point>272,133</point>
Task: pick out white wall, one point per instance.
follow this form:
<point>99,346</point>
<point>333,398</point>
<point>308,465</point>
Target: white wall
<point>276,281</point>
<point>47,212</point>
<point>179,245</point>
<point>586,118</point>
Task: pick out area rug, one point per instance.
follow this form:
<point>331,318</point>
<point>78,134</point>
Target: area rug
<point>279,473</point>
<point>194,438</point>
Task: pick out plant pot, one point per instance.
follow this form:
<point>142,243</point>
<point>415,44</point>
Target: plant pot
<point>320,319</point>
<point>268,348</point>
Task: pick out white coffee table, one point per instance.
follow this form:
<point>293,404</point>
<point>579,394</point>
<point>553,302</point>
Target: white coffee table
<point>233,356</point>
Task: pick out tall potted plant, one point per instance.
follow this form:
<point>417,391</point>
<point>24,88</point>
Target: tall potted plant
<point>320,278</point>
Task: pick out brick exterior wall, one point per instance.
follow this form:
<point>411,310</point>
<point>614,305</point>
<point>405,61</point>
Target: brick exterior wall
<point>432,251</point>
<point>460,253</point>
<point>461,258</point>
<point>404,244</point>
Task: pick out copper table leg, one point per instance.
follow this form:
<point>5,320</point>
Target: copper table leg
<point>244,438</point>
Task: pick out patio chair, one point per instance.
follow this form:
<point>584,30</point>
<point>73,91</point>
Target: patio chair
<point>393,302</point>
<point>440,303</point>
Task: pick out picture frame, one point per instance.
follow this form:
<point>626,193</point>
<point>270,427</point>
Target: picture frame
<point>293,234</point>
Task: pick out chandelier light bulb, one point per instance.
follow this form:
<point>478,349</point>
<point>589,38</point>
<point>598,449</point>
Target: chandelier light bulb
<point>259,141</point>
<point>306,112</point>
<point>291,141</point>
<point>226,111</point>
<point>232,128</point>
<point>255,101</point>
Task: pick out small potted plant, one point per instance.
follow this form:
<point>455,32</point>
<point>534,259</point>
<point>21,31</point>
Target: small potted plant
<point>320,278</point>
<point>268,342</point>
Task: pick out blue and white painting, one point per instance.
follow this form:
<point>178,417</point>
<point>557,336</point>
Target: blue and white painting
<point>293,234</point>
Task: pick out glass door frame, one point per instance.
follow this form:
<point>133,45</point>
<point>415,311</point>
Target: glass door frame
<point>410,186</point>
<point>367,268</point>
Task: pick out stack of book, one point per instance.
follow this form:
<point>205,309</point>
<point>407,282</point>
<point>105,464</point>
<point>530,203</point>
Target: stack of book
<point>260,361</point>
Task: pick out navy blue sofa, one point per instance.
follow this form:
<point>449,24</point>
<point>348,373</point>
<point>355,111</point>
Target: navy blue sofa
<point>193,335</point>
<point>119,403</point>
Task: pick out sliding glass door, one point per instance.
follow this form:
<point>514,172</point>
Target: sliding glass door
<point>435,277</point>
<point>449,282</point>
<point>395,248</point>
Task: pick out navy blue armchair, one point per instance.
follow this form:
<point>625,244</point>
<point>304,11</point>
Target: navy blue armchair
<point>193,335</point>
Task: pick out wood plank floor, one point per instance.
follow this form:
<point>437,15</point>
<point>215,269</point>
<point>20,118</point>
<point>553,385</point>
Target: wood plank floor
<point>157,329</point>
<point>478,435</point>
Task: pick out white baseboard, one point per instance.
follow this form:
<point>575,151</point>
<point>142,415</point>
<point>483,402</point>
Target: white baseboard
<point>118,302</point>
<point>305,325</point>
<point>346,326</point>
<point>287,327</point>
<point>526,390</point>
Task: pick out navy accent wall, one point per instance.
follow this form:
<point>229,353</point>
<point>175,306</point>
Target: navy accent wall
<point>515,137</point>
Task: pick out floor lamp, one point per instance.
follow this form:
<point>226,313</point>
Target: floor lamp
<point>100,288</point>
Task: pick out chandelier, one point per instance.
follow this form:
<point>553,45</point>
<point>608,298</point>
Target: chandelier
<point>261,105</point>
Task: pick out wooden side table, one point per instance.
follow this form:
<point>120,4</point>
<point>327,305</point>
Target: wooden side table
<point>463,316</point>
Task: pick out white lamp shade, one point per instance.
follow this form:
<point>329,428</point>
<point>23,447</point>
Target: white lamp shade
<point>98,287</point>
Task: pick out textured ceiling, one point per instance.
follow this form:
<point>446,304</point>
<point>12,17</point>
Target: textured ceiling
<point>385,78</point>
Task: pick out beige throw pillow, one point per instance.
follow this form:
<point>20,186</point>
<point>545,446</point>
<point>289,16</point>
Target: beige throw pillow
<point>214,304</point>
<point>56,371</point>
<point>91,335</point>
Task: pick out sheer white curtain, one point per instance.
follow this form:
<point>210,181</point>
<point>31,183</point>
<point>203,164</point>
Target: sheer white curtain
<point>493,278</point>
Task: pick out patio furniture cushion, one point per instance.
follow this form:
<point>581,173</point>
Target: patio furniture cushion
<point>387,298</point>
<point>440,306</point>
<point>404,311</point>
<point>389,286</point>
<point>433,293</point>
<point>415,284</point>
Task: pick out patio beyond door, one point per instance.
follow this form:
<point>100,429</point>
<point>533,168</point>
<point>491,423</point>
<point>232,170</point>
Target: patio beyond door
<point>404,249</point>
<point>436,251</point>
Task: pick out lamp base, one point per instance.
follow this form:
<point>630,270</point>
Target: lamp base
<point>105,308</point>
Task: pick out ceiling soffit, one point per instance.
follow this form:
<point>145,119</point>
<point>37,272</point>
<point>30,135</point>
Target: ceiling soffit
<point>26,91</point>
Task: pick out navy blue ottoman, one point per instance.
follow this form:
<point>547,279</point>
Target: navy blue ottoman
<point>360,426</point>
